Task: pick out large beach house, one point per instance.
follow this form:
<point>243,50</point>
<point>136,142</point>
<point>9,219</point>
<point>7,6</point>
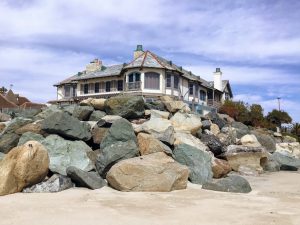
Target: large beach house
<point>148,75</point>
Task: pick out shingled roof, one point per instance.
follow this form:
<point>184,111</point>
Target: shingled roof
<point>4,103</point>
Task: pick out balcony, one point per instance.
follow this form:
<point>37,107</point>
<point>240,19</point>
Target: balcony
<point>133,86</point>
<point>214,103</point>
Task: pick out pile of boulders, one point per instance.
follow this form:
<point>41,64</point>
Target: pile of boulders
<point>131,145</point>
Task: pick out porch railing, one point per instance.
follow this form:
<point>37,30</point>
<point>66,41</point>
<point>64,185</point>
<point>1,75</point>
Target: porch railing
<point>214,103</point>
<point>133,86</point>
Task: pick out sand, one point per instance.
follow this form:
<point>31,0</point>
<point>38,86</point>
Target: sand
<point>275,199</point>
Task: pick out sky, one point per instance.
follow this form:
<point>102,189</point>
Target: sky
<point>256,43</point>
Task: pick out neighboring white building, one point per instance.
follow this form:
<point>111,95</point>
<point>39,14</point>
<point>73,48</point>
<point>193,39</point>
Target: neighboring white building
<point>148,75</point>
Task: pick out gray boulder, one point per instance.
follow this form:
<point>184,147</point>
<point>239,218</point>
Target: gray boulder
<point>199,162</point>
<point>114,153</point>
<point>265,140</point>
<point>1,155</point>
<point>271,165</point>
<point>206,124</point>
<point>214,144</point>
<point>97,115</point>
<point>64,153</point>
<point>8,141</point>
<point>81,178</point>
<point>286,161</point>
<point>29,136</point>
<point>241,129</point>
<point>129,107</point>
<point>56,183</point>
<point>15,124</point>
<point>69,108</point>
<point>67,126</point>
<point>82,112</point>
<point>48,111</point>
<point>233,183</point>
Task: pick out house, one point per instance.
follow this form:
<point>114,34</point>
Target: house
<point>148,75</point>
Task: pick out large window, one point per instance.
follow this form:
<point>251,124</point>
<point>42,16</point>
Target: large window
<point>134,77</point>
<point>67,90</point>
<point>97,87</point>
<point>191,88</point>
<point>107,86</point>
<point>152,80</point>
<point>120,85</point>
<point>168,80</point>
<point>86,88</point>
<point>176,81</point>
<point>202,95</point>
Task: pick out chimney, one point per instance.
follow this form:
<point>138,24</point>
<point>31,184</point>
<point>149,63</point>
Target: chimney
<point>94,65</point>
<point>138,52</point>
<point>218,79</point>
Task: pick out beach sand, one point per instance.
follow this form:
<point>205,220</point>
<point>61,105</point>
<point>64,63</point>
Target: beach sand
<point>275,199</point>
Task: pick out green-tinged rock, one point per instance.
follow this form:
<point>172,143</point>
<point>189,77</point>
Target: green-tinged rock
<point>29,136</point>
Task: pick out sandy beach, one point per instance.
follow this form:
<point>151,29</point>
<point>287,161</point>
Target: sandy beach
<point>275,199</point>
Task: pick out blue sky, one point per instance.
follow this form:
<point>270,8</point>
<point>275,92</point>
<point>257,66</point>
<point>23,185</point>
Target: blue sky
<point>255,42</point>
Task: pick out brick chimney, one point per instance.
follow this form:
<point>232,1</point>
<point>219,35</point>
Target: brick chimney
<point>218,79</point>
<point>138,52</point>
<point>94,65</point>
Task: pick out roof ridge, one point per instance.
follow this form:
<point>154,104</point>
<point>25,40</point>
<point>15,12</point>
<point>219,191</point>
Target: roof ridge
<point>143,62</point>
<point>157,60</point>
<point>136,58</point>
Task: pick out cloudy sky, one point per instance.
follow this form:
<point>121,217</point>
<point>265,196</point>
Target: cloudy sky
<point>255,42</point>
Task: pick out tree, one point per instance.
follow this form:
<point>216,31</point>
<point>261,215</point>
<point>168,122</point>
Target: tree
<point>278,117</point>
<point>257,115</point>
<point>3,90</point>
<point>237,110</point>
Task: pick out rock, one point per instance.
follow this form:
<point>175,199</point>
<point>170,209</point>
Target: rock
<point>247,171</point>
<point>213,143</point>
<point>175,106</point>
<point>219,122</point>
<point>214,128</point>
<point>289,149</point>
<point>250,140</point>
<point>241,129</point>
<point>265,140</point>
<point>277,134</point>
<point>226,118</point>
<point>89,180</point>
<point>114,153</point>
<point>189,139</point>
<point>23,166</point>
<point>199,133</point>
<point>35,127</point>
<point>2,155</point>
<point>82,112</point>
<point>67,126</point>
<point>148,145</point>
<point>231,183</point>
<point>29,136</point>
<point>8,141</point>
<point>121,130</point>
<point>69,109</point>
<point>48,112</point>
<point>108,120</point>
<point>220,168</point>
<point>138,121</point>
<point>199,162</point>
<point>154,172</point>
<point>157,105</point>
<point>227,136</point>
<point>159,114</point>
<point>97,115</point>
<point>4,117</point>
<point>86,102</point>
<point>56,183</point>
<point>98,133</point>
<point>15,124</point>
<point>129,107</point>
<point>186,122</point>
<point>26,113</point>
<point>288,168</point>
<point>238,155</point>
<point>288,139</point>
<point>286,160</point>
<point>64,153</point>
<point>98,103</point>
<point>2,127</point>
<point>271,165</point>
<point>161,129</point>
<point>206,124</point>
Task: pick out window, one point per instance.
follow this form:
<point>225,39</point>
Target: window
<point>97,87</point>
<point>134,77</point>
<point>107,86</point>
<point>67,91</point>
<point>202,95</point>
<point>120,85</point>
<point>168,80</point>
<point>191,88</point>
<point>152,80</point>
<point>176,81</point>
<point>86,88</point>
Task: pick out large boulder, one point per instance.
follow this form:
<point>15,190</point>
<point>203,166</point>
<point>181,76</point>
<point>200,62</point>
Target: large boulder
<point>159,128</point>
<point>81,178</point>
<point>250,140</point>
<point>154,172</point>
<point>67,126</point>
<point>252,157</point>
<point>29,136</point>
<point>4,117</point>
<point>241,129</point>
<point>98,103</point>
<point>48,111</point>
<point>97,115</point>
<point>228,136</point>
<point>82,112</point>
<point>214,128</point>
<point>271,164</point>
<point>186,122</point>
<point>189,139</point>
<point>15,124</point>
<point>175,106</point>
<point>8,141</point>
<point>35,127</point>
<point>129,107</point>
<point>2,127</point>
<point>56,183</point>
<point>214,144</point>
<point>231,183</point>
<point>290,149</point>
<point>148,145</point>
<point>98,133</point>
<point>64,153</point>
<point>1,155</point>
<point>23,166</point>
<point>199,162</point>
<point>108,120</point>
<point>220,168</point>
<point>159,114</point>
<point>286,160</point>
<point>86,102</point>
<point>266,140</point>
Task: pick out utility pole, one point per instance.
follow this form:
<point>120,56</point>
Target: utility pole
<point>278,103</point>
